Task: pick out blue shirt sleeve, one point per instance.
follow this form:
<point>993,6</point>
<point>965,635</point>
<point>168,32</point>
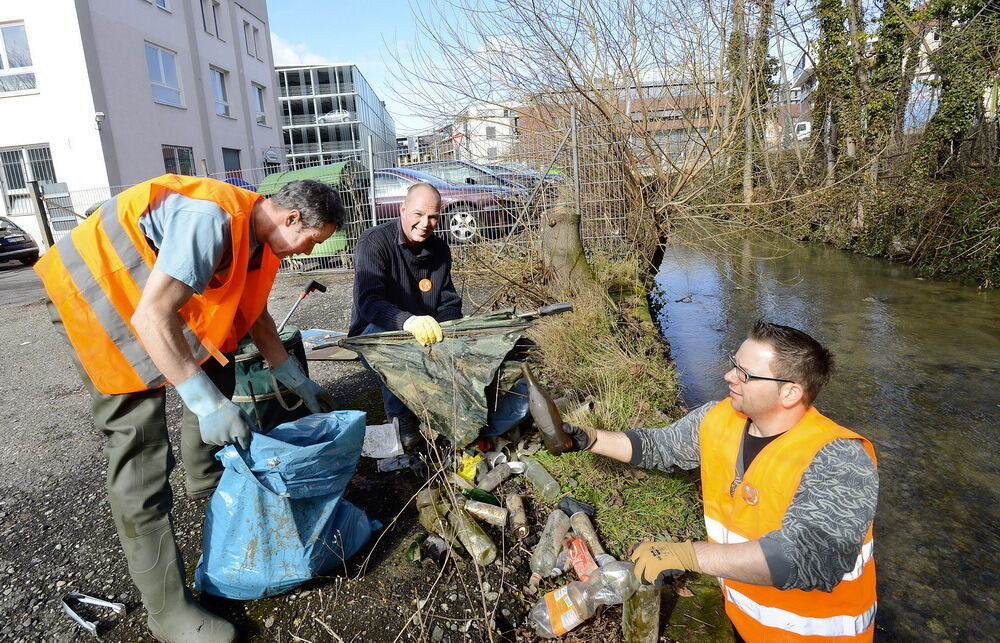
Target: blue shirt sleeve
<point>191,238</point>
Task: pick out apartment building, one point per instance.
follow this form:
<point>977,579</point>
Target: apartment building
<point>330,113</point>
<point>98,93</point>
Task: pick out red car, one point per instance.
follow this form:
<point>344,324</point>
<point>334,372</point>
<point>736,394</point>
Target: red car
<point>468,213</point>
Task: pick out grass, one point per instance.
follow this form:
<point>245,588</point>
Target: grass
<point>606,353</point>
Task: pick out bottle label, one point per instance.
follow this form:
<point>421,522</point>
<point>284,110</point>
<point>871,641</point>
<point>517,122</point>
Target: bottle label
<point>562,612</point>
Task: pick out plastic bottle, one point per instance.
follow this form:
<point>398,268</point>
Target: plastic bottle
<point>619,583</point>
<point>518,519</point>
<point>498,474</point>
<point>561,610</point>
<point>543,559</point>
<point>546,415</point>
<point>473,538</point>
<point>641,618</point>
<point>544,483</point>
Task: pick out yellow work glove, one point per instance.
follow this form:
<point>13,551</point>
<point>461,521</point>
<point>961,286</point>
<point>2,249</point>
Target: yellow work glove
<point>425,328</point>
<point>655,561</point>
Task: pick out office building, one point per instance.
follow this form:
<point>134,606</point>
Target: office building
<point>330,113</point>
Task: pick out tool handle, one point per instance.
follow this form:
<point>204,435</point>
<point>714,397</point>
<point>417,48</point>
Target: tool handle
<point>555,309</point>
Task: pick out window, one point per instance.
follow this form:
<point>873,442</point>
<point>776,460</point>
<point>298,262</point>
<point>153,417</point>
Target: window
<point>162,67</point>
<point>23,164</point>
<point>258,103</point>
<point>16,72</point>
<point>178,160</point>
<point>389,185</point>
<point>251,34</point>
<point>491,133</point>
<point>248,38</point>
<point>210,17</point>
<point>231,162</point>
<point>219,91</point>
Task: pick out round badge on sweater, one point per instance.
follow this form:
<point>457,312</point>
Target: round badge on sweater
<point>750,495</point>
<point>425,285</point>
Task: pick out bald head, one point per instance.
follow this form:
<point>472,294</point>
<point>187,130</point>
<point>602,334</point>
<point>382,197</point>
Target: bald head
<point>422,188</point>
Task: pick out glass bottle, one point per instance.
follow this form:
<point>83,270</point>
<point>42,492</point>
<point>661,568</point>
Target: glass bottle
<point>496,516</point>
<point>544,484</point>
<point>546,415</point>
<point>585,529</point>
<point>641,618</point>
<point>498,474</point>
<point>473,538</point>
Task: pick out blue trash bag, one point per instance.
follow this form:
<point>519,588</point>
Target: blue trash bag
<point>277,518</point>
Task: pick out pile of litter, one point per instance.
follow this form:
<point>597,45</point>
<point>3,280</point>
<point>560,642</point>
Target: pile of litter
<point>465,516</point>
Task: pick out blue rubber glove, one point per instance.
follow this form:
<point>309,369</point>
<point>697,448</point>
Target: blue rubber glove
<point>219,420</point>
<point>317,400</point>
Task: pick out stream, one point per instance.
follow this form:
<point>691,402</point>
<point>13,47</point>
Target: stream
<point>918,373</point>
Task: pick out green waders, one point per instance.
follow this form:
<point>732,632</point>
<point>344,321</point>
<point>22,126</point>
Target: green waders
<point>139,466</point>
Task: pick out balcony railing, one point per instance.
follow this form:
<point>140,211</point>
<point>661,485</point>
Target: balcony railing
<point>318,90</point>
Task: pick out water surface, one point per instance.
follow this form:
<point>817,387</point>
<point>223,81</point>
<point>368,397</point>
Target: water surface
<point>918,373</point>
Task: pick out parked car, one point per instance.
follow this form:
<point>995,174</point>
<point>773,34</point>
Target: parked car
<point>525,175</point>
<point>336,116</point>
<point>467,212</point>
<point>466,173</point>
<point>16,244</point>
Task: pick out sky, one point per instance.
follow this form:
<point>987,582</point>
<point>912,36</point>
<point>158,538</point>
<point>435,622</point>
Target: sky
<point>365,33</point>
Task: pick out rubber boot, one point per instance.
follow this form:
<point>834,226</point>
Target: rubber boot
<point>174,616</point>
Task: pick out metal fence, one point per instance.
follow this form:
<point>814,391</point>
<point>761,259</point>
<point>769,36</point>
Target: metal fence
<point>493,194</point>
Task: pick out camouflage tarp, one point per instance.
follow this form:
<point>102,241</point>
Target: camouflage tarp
<point>454,382</point>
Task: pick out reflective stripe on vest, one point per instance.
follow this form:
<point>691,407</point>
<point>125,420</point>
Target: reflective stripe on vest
<point>140,270</point>
<point>107,315</point>
<point>717,533</point>
<point>780,619</point>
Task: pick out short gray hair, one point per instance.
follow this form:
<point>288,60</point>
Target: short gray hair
<point>317,203</point>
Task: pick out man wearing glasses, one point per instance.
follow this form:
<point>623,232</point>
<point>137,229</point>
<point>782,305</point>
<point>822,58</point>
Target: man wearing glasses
<point>789,495</point>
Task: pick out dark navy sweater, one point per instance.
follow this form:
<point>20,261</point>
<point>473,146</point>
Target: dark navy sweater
<point>387,274</point>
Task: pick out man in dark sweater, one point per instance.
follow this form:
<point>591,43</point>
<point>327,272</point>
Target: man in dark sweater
<point>402,281</point>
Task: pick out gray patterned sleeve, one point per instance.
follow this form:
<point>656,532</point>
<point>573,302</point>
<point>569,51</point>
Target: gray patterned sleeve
<point>826,523</point>
<point>674,445</point>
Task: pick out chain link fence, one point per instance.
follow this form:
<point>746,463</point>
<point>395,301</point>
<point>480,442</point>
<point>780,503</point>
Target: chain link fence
<point>495,192</point>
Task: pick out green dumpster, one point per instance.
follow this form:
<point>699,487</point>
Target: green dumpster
<point>351,180</point>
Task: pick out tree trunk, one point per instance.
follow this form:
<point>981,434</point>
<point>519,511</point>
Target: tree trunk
<point>562,253</point>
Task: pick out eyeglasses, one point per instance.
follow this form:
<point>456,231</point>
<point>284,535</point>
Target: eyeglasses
<point>745,376</point>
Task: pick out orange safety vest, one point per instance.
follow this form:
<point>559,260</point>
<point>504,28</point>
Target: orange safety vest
<point>737,511</point>
<point>96,274</point>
